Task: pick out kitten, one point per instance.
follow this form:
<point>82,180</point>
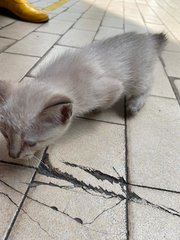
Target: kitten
<point>36,113</point>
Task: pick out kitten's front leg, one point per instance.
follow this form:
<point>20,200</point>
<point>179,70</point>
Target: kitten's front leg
<point>135,103</point>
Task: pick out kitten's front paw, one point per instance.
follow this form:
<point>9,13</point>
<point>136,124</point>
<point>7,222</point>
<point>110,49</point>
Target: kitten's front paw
<point>134,105</point>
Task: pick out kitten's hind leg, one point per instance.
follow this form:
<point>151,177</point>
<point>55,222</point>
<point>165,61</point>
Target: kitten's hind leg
<point>135,103</point>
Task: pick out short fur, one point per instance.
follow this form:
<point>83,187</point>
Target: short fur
<point>38,112</point>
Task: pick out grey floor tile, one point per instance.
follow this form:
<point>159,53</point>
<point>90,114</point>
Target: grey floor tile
<point>56,26</point>
<point>66,16</point>
<point>4,21</point>
<point>5,43</point>
<point>153,144</point>
<point>13,184</point>
<point>161,85</point>
<point>35,44</point>
<point>87,24</point>
<point>18,30</point>
<point>116,22</point>
<point>155,215</point>
<point>172,62</point>
<point>55,51</point>
<point>103,146</point>
<point>76,38</point>
<point>70,222</point>
<point>15,66</point>
<point>105,32</point>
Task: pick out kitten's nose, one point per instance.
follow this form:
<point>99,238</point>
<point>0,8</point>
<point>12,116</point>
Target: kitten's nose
<point>14,154</point>
<point>15,145</point>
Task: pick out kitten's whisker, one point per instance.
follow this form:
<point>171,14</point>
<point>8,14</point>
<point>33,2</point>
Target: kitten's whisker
<point>38,160</point>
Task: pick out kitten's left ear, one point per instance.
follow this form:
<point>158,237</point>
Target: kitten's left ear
<point>5,89</point>
<point>57,110</point>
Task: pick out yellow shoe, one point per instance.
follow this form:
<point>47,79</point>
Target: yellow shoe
<point>24,10</point>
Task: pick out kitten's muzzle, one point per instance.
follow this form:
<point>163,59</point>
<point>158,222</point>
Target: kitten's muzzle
<point>14,154</point>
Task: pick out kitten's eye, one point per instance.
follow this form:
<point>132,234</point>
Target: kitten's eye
<point>30,143</point>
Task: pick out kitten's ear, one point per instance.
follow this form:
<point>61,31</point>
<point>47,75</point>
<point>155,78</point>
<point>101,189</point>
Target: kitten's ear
<point>5,89</point>
<point>57,110</point>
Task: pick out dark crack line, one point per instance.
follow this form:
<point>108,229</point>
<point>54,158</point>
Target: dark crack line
<point>54,208</point>
<point>100,214</point>
<point>154,188</point>
<point>49,171</point>
<point>135,198</point>
<point>96,195</point>
<point>44,230</point>
<point>6,184</point>
<point>7,196</point>
<point>100,175</point>
<point>69,188</point>
<point>18,164</point>
<point>103,176</point>
<point>39,183</point>
<point>97,174</point>
<point>41,203</point>
<point>56,173</point>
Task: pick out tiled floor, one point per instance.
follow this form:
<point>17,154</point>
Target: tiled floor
<point>110,177</point>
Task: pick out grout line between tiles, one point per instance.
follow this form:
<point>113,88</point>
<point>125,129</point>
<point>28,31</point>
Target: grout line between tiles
<point>100,24</point>
<point>16,164</point>
<point>103,121</point>
<point>154,13</point>
<point>151,95</point>
<point>35,30</point>
<point>166,10</point>
<point>56,34</point>
<point>127,170</point>
<point>141,16</point>
<point>154,188</point>
<point>40,59</point>
<point>126,183</point>
<point>12,53</point>
<point>8,24</point>
<point>164,23</point>
<point>171,81</point>
<point>19,208</point>
<point>56,43</point>
<point>176,92</point>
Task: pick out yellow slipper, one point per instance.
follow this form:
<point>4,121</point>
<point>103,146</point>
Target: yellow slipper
<point>24,10</point>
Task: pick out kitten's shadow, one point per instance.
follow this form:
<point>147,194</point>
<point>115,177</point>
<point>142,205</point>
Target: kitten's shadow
<point>115,114</point>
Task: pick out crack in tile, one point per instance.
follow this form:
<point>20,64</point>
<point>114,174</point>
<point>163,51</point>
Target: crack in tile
<point>132,196</point>
<point>41,203</point>
<point>100,214</point>
<point>39,183</point>
<point>44,230</point>
<point>49,171</point>
<point>35,184</point>
<point>7,196</point>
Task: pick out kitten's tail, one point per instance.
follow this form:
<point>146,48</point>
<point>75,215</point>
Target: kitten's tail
<point>159,40</point>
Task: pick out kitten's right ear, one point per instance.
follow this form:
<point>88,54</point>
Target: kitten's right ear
<point>5,89</point>
<point>57,109</point>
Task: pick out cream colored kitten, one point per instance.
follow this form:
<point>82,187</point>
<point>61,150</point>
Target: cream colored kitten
<point>36,113</point>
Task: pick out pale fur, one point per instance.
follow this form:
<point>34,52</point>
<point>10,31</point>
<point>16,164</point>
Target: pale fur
<point>75,83</point>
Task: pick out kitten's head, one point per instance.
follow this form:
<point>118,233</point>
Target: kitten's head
<point>32,116</point>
